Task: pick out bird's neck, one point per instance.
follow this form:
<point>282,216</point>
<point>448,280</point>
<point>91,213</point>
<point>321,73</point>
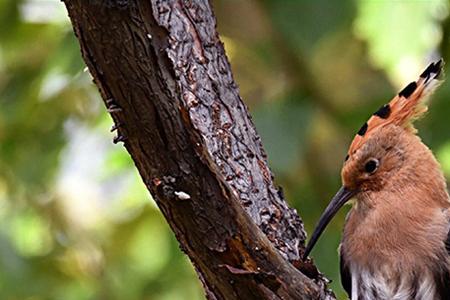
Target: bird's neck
<point>406,237</point>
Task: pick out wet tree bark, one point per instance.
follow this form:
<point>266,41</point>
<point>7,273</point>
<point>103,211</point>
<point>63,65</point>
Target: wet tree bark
<point>163,74</point>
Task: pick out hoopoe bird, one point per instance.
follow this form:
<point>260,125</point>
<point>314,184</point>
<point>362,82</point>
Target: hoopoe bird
<point>396,240</point>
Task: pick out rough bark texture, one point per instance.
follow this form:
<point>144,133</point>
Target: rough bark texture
<point>163,74</point>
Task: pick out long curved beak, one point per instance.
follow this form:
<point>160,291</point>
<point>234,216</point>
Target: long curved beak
<point>341,197</point>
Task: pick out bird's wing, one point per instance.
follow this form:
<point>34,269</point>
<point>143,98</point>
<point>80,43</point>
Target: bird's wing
<point>346,276</point>
<point>443,275</point>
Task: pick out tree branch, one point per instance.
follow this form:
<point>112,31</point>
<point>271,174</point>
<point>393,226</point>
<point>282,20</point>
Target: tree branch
<point>163,74</point>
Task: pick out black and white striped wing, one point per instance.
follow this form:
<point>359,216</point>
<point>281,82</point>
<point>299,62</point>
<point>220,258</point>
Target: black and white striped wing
<point>442,276</point>
<point>346,276</point>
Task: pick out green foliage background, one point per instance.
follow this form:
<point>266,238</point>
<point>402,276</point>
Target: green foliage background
<point>75,220</point>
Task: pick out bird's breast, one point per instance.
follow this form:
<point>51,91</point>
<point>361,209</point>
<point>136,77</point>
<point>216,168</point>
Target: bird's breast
<point>403,237</point>
<point>395,254</point>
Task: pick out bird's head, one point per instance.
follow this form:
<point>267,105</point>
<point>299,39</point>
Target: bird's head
<point>385,149</point>
<point>382,156</point>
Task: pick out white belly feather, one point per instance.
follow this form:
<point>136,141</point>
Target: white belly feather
<point>377,286</point>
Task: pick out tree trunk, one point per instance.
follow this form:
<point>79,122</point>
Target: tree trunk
<point>163,74</point>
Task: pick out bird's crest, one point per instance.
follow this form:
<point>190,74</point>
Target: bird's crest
<point>409,105</point>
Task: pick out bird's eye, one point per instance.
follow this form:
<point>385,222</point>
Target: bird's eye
<point>371,165</point>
